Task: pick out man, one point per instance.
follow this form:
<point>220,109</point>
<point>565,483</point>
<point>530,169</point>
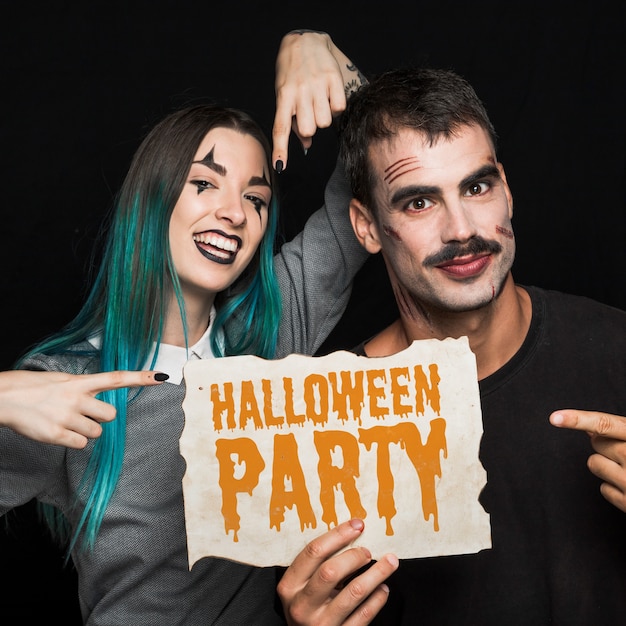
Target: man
<point>432,198</point>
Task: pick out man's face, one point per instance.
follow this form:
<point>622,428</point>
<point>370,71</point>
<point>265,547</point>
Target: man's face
<point>442,219</point>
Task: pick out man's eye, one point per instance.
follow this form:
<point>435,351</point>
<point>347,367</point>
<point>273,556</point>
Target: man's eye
<point>419,204</point>
<point>476,189</point>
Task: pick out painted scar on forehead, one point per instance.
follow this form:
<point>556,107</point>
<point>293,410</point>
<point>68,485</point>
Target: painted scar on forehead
<point>403,166</point>
<point>390,232</point>
<point>504,231</point>
<point>209,161</point>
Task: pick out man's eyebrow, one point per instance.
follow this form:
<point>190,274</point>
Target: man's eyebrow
<point>414,190</point>
<point>486,171</point>
<point>209,161</point>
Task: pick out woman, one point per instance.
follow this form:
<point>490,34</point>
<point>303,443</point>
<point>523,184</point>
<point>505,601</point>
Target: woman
<point>187,273</point>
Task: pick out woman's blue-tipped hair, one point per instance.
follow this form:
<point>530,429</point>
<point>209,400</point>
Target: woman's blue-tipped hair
<point>127,303</point>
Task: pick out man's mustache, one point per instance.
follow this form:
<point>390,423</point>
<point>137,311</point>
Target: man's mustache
<point>476,245</point>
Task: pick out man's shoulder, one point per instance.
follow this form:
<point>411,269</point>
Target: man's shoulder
<point>577,315</point>
<point>572,301</point>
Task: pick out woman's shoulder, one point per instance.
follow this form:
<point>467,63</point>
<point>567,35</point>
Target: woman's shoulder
<point>80,358</point>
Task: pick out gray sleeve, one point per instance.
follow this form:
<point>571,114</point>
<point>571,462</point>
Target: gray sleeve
<point>31,469</point>
<point>28,469</point>
<point>315,271</point>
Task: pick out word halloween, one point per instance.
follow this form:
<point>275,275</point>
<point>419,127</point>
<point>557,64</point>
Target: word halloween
<point>343,393</point>
<point>273,448</point>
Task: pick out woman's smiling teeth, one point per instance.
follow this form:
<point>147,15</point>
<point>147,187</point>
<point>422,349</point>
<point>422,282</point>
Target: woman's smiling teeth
<point>222,247</point>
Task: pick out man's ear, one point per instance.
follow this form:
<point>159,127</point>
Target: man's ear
<point>364,226</point>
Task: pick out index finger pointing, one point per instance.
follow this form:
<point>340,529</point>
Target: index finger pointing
<point>603,424</point>
<point>280,133</point>
<point>104,381</point>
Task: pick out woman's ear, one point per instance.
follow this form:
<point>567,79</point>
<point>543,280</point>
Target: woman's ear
<point>364,226</point>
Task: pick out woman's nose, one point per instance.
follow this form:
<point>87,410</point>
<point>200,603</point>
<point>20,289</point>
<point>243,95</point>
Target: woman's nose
<point>231,209</point>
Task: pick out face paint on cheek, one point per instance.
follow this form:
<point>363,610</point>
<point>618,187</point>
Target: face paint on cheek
<point>504,231</point>
<point>260,204</point>
<point>390,232</point>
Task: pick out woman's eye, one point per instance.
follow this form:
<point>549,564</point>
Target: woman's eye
<point>201,185</point>
<point>258,203</point>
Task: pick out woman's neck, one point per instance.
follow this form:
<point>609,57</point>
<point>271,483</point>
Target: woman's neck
<point>198,317</point>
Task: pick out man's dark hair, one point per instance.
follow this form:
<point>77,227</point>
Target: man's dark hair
<point>435,102</point>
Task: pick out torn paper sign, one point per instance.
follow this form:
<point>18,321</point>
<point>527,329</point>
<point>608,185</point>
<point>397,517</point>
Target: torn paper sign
<point>278,452</point>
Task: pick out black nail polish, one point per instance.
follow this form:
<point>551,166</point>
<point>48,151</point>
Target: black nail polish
<point>279,166</point>
<point>160,376</point>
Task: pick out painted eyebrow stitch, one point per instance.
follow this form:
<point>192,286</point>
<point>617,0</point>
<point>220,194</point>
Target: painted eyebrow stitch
<point>400,167</point>
<point>209,161</point>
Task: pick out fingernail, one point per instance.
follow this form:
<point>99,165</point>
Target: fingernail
<point>557,419</point>
<point>279,166</point>
<point>160,376</point>
<point>357,524</point>
<point>392,559</point>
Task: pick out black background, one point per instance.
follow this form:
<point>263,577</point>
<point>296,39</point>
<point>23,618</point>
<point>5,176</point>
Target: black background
<point>83,81</point>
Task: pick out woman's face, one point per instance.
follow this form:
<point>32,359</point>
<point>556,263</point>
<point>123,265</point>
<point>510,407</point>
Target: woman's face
<point>221,214</point>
